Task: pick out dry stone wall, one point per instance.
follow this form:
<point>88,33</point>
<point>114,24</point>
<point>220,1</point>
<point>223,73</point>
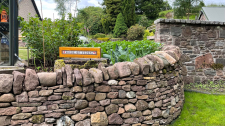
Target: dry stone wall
<point>148,91</point>
<point>201,42</point>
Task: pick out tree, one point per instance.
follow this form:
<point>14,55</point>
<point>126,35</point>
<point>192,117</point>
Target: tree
<point>166,6</point>
<point>61,7</point>
<point>91,17</point>
<point>143,21</point>
<point>187,7</point>
<point>128,11</point>
<point>112,9</point>
<point>150,8</point>
<point>120,27</point>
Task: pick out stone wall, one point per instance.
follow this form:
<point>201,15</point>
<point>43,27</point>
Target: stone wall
<point>201,42</point>
<point>148,91</point>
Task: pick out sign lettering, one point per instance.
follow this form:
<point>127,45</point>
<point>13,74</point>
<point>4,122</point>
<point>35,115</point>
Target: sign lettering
<point>79,52</point>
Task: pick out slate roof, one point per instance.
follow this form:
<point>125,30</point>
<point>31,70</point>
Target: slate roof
<point>213,13</point>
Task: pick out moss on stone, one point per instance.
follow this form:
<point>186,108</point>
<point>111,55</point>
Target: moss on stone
<point>67,97</point>
<point>37,119</point>
<point>59,64</point>
<point>217,66</point>
<point>89,64</point>
<point>164,71</point>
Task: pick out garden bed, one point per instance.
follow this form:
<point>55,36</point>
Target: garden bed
<point>209,87</point>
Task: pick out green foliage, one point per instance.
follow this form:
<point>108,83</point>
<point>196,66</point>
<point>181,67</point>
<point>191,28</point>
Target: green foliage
<point>61,7</point>
<point>147,33</point>
<point>112,9</point>
<point>121,27</point>
<point>91,17</point>
<point>94,25</point>
<point>187,7</point>
<point>143,21</point>
<point>135,32</point>
<point>128,11</point>
<point>99,35</point>
<point>166,6</point>
<point>105,23</point>
<point>150,8</point>
<point>119,55</point>
<point>162,14</point>
<point>125,50</point>
<point>103,39</point>
<point>56,34</point>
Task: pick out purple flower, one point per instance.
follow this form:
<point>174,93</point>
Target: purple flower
<point>87,30</point>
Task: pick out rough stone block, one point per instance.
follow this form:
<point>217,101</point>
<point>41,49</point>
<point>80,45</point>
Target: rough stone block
<point>59,76</point>
<point>97,74</point>
<point>18,82</point>
<point>176,31</point>
<point>86,77</point>
<point>123,69</point>
<point>113,72</point>
<point>9,111</point>
<point>134,68</point>
<point>6,81</point>
<point>144,66</point>
<point>23,97</point>
<point>78,76</point>
<point>69,77</point>
<point>99,119</point>
<point>7,98</point>
<point>31,80</point>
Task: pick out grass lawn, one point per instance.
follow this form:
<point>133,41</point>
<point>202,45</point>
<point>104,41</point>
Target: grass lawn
<point>202,110</point>
<point>23,54</point>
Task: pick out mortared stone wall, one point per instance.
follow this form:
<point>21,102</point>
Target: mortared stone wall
<point>202,44</point>
<point>148,91</point>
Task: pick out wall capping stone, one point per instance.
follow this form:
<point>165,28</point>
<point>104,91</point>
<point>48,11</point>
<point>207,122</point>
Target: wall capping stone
<point>183,21</point>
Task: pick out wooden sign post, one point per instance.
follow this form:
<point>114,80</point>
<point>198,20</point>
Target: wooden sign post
<point>80,52</point>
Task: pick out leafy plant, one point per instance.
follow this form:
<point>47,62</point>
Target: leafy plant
<point>119,55</point>
<point>99,35</point>
<point>135,32</point>
<point>143,21</point>
<point>120,27</point>
<point>117,48</point>
<point>103,39</point>
<point>56,34</point>
<point>147,33</point>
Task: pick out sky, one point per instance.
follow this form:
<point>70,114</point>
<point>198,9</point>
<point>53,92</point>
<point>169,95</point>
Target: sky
<point>48,6</point>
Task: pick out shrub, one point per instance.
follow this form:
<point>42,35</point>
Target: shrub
<point>135,32</point>
<point>99,35</point>
<point>120,27</point>
<point>147,33</point>
<point>143,21</point>
<point>56,34</point>
<point>103,39</point>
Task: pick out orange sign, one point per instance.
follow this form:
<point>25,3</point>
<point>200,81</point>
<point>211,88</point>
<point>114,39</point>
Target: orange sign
<point>79,52</point>
<point>4,16</point>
